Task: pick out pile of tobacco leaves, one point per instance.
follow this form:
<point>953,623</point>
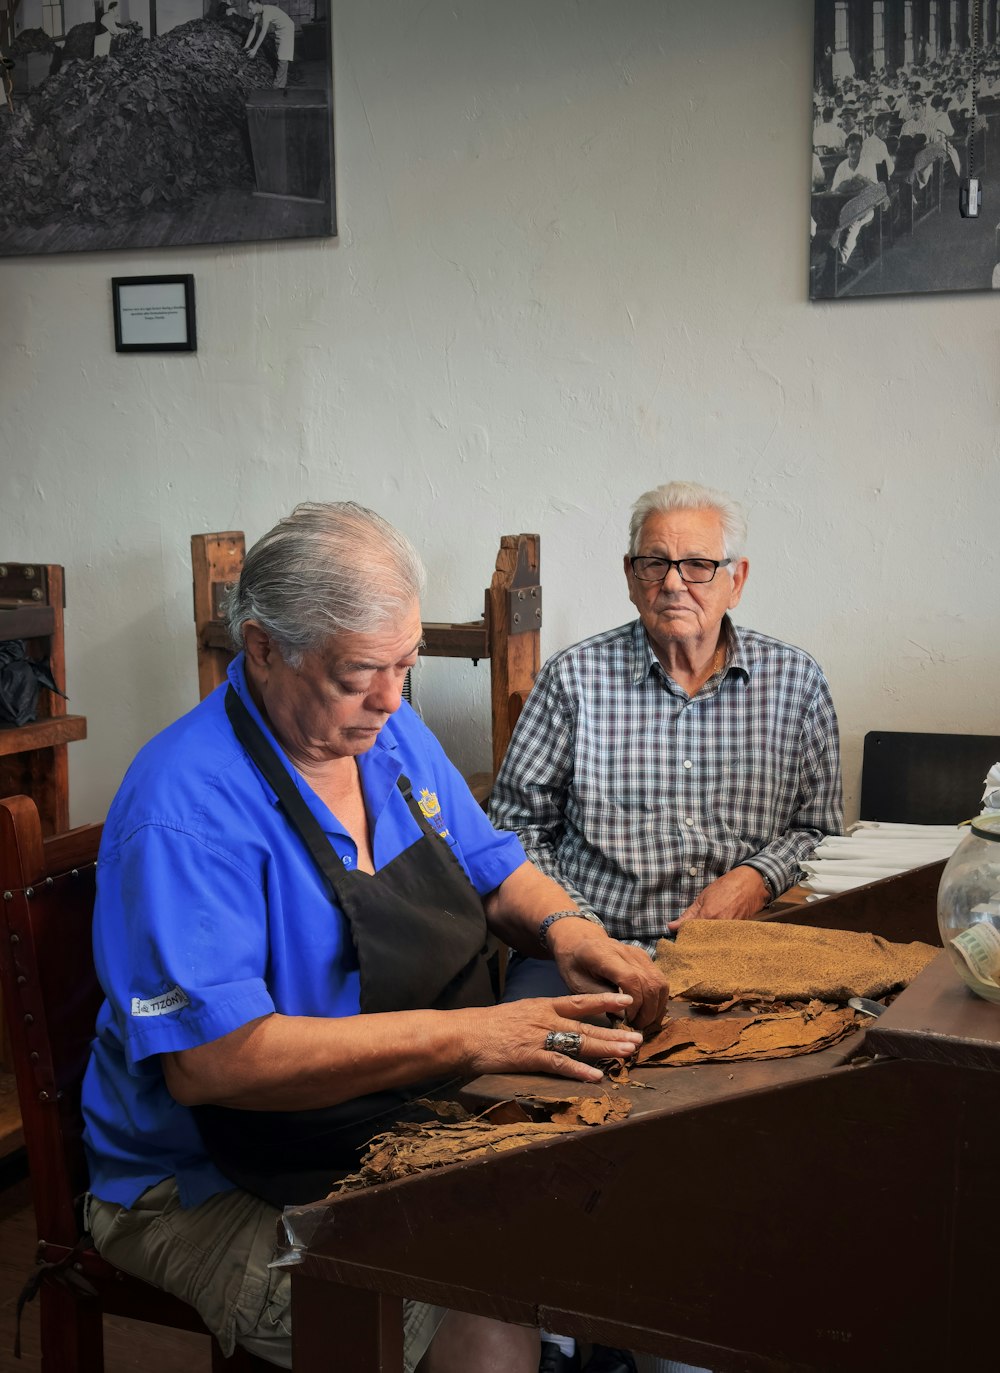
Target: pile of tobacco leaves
<point>153,124</point>
<point>31,40</point>
<point>413,1146</point>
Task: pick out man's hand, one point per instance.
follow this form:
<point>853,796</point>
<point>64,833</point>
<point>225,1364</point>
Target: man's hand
<point>736,895</point>
<point>510,1038</point>
<point>589,961</point>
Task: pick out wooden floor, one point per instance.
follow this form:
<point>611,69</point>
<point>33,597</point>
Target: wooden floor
<point>129,1346</point>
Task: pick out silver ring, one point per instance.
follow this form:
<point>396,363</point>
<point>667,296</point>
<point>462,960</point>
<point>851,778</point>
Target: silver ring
<point>566,1042</point>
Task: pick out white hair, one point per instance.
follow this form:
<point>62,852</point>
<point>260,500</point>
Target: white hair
<point>690,496</point>
<point>328,568</point>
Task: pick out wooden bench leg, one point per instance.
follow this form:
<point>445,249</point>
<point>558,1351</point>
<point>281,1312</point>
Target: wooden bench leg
<point>364,1328</point>
<point>72,1331</point>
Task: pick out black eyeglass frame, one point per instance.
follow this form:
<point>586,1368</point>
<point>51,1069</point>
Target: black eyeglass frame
<point>679,564</point>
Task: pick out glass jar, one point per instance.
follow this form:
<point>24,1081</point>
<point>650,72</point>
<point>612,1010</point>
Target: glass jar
<point>968,907</point>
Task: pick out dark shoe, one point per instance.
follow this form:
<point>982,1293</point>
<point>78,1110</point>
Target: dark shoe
<point>605,1360</point>
<point>553,1360</point>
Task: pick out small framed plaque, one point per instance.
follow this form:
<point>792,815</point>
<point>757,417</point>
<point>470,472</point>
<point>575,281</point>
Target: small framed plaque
<point>154,314</point>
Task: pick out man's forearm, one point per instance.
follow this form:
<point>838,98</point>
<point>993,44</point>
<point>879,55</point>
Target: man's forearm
<point>540,851</point>
<point>517,908</point>
<point>289,1063</point>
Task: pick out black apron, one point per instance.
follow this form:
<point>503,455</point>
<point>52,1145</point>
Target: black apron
<point>421,941</point>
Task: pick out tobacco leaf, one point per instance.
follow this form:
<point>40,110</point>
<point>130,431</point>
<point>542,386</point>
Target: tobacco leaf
<point>444,1110</point>
<point>726,960</point>
<point>413,1146</point>
<point>593,1110</point>
<point>783,1032</point>
<point>157,122</point>
<point>510,1112</point>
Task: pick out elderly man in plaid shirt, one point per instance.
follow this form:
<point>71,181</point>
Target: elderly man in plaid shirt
<point>679,765</point>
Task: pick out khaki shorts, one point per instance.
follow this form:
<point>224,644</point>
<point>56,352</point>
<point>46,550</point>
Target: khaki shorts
<point>215,1258</point>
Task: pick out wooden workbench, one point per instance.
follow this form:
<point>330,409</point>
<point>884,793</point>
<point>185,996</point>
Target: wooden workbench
<point>831,1213</point>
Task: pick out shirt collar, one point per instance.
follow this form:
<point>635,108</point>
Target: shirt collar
<point>236,672</point>
<point>739,657</point>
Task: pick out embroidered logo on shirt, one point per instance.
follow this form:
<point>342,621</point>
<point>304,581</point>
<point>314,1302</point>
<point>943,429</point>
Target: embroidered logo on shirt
<point>431,808</point>
<point>164,1004</point>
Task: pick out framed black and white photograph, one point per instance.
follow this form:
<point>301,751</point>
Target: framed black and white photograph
<point>158,123</point>
<point>154,314</point>
<point>905,129</point>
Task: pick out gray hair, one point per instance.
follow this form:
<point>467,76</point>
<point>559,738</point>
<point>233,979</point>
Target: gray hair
<point>330,567</point>
<point>690,496</point>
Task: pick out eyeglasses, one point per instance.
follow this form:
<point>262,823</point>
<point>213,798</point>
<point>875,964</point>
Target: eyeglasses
<point>689,569</point>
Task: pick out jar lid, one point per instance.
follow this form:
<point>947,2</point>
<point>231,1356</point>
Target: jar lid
<point>987,827</point>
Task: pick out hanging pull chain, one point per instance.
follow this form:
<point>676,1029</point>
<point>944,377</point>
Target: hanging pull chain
<point>970,193</point>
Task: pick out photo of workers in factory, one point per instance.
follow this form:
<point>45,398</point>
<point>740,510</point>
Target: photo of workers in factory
<point>137,124</point>
<point>906,99</point>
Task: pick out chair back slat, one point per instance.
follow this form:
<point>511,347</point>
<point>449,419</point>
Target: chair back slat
<point>51,997</point>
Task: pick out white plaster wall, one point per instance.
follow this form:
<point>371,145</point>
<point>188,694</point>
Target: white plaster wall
<point>572,264</point>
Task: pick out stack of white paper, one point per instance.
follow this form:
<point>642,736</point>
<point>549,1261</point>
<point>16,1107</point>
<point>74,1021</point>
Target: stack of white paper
<point>872,850</point>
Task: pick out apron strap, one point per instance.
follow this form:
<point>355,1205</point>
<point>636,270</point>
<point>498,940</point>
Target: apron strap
<point>253,739</point>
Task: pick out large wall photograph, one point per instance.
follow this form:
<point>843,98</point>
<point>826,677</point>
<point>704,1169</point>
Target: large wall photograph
<point>155,123</point>
<point>906,110</point>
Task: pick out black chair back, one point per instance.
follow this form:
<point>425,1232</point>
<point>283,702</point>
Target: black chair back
<point>925,779</point>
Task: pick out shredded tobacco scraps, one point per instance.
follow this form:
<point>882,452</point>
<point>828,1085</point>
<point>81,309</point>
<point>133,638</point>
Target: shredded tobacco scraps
<point>412,1147</point>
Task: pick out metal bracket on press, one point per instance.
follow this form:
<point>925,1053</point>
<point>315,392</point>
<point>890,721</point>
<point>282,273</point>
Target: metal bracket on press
<point>220,595</point>
<point>524,608</point>
<point>22,583</point>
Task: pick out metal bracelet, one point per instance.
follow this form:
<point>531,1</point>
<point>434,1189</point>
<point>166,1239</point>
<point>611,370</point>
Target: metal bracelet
<point>543,929</point>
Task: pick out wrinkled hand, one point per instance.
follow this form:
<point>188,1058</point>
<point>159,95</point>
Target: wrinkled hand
<point>510,1038</point>
<point>589,961</point>
<point>737,895</point>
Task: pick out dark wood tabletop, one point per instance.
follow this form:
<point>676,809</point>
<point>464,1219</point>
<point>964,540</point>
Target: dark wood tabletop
<point>822,1214</point>
<point>664,1089</point>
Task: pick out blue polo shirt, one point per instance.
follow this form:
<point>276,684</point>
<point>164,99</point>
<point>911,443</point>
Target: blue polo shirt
<point>211,913</point>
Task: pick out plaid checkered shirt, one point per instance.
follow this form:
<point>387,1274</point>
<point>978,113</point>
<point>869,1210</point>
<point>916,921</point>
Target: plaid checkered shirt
<point>635,796</point>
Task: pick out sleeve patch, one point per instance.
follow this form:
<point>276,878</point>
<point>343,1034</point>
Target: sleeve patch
<point>167,1003</point>
<point>431,808</point>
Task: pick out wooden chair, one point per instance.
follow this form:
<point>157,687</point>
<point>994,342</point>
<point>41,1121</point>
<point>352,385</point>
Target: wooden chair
<point>51,997</point>
<point>34,757</point>
<point>509,633</point>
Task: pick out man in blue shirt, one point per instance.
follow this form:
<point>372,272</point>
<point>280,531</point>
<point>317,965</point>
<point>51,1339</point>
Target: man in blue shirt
<point>297,903</point>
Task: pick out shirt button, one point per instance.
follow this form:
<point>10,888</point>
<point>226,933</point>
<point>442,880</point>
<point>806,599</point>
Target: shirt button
<point>693,872</point>
<point>688,763</point>
<point>688,820</point>
<point>347,860</point>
